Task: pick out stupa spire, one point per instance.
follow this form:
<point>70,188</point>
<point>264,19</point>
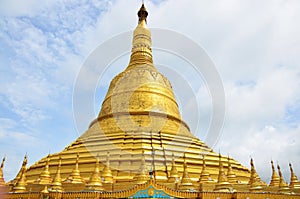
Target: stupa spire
<point>45,177</point>
<point>232,179</point>
<point>95,179</point>
<point>275,178</point>
<point>56,185</point>
<point>222,184</point>
<point>254,181</point>
<point>186,182</point>
<point>2,181</point>
<point>283,187</point>
<point>21,183</point>
<point>75,177</point>
<point>106,173</point>
<point>204,176</point>
<point>174,177</point>
<point>294,183</point>
<point>141,52</point>
<point>23,167</point>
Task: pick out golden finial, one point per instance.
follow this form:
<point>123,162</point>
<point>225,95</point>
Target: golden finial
<point>186,182</point>
<point>174,177</point>
<point>21,184</point>
<point>75,177</point>
<point>56,185</point>
<point>106,173</point>
<point>232,179</point>
<point>254,181</point>
<point>294,183</point>
<point>2,181</point>
<point>25,160</point>
<point>283,187</point>
<point>45,177</point>
<point>142,177</point>
<point>222,184</point>
<point>95,179</point>
<point>275,178</point>
<point>142,13</point>
<point>204,175</point>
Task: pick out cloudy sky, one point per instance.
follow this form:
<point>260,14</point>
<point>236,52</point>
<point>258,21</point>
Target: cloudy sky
<point>254,45</point>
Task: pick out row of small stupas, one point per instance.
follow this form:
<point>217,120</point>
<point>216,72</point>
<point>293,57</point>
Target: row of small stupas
<point>103,180</point>
<point>150,148</point>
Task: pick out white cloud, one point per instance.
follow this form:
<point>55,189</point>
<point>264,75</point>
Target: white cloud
<point>265,100</point>
<point>256,121</point>
<point>17,8</point>
<point>41,62</point>
<point>44,45</point>
<point>279,144</point>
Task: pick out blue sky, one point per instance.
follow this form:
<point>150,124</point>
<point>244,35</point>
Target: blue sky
<point>255,46</point>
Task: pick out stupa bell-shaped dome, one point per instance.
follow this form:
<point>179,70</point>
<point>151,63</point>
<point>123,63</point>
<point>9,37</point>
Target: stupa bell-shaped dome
<point>141,98</point>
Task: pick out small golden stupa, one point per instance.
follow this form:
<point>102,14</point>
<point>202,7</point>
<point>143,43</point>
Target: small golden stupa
<point>139,147</point>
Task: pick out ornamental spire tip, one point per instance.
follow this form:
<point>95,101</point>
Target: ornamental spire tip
<point>142,13</point>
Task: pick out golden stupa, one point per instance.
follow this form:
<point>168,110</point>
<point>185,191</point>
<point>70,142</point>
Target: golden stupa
<point>139,147</point>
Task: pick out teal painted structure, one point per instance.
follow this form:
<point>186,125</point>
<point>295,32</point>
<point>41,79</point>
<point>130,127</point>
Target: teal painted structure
<point>151,192</point>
